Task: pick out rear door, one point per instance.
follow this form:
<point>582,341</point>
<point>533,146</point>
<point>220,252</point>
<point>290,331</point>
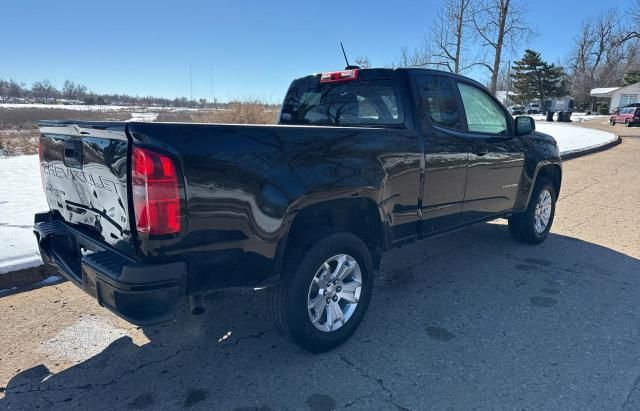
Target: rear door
<point>496,156</point>
<point>445,147</point>
<point>84,170</point>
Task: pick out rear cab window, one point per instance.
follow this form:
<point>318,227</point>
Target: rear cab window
<point>437,102</point>
<point>372,99</point>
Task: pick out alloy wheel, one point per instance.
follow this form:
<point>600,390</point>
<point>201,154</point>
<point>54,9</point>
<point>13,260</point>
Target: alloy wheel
<point>542,213</point>
<point>334,293</point>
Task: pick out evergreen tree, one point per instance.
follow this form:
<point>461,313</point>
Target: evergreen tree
<point>534,78</point>
<point>632,77</point>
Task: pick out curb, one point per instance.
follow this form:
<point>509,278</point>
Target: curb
<point>25,277</point>
<point>579,153</point>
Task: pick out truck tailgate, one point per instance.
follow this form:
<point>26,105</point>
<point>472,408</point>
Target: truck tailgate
<point>84,168</point>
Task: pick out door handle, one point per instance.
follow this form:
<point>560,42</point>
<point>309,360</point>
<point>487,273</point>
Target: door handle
<point>480,151</point>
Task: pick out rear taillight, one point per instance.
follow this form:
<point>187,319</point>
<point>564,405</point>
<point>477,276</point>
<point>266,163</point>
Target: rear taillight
<point>335,76</point>
<point>156,193</point>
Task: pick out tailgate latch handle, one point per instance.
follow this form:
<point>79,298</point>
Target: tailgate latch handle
<point>73,153</point>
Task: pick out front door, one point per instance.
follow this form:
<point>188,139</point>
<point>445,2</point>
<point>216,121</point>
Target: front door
<point>496,155</point>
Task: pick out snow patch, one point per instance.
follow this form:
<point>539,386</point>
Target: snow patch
<point>20,198</point>
<point>572,139</point>
<point>144,117</point>
<point>575,117</point>
<point>52,279</point>
<point>84,107</point>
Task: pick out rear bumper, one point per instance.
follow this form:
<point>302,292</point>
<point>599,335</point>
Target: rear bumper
<point>140,293</point>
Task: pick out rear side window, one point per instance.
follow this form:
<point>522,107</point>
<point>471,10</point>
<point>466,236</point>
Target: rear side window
<point>350,103</point>
<point>437,102</point>
<point>483,114</point>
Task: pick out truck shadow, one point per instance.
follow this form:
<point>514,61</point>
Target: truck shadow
<point>468,298</point>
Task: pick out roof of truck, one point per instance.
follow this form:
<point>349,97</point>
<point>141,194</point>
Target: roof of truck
<point>386,71</point>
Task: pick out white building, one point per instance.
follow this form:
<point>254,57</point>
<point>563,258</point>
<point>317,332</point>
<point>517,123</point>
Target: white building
<point>618,96</point>
<point>504,97</point>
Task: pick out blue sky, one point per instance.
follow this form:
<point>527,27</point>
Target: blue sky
<point>255,47</point>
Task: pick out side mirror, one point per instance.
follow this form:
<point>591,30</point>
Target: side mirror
<point>525,125</point>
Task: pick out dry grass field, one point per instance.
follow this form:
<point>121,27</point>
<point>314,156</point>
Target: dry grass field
<point>19,131</point>
<point>19,127</point>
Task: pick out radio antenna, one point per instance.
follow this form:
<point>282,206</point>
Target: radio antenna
<point>349,66</point>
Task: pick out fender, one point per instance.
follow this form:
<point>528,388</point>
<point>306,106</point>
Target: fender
<point>539,167</point>
<point>368,194</point>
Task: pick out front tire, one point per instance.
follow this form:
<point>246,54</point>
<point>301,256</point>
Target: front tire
<point>627,123</point>
<point>532,226</point>
<point>324,291</point>
<point>612,122</point>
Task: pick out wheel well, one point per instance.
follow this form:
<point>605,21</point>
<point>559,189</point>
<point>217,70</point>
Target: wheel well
<point>358,216</point>
<point>552,172</point>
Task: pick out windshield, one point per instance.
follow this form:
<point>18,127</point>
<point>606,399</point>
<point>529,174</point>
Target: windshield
<point>352,103</point>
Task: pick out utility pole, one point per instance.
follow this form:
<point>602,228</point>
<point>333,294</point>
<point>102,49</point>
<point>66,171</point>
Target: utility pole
<point>508,99</point>
<point>191,81</point>
<point>213,99</point>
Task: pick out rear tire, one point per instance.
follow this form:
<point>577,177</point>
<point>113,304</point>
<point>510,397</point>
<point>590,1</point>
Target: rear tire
<point>310,298</point>
<point>627,123</point>
<point>612,122</point>
<point>532,226</point>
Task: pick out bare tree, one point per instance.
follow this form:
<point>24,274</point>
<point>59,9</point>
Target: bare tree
<point>44,90</point>
<point>501,25</point>
<point>363,61</point>
<point>444,47</point>
<point>633,31</point>
<point>603,52</point>
<point>69,89</point>
<point>449,34</point>
<point>419,57</point>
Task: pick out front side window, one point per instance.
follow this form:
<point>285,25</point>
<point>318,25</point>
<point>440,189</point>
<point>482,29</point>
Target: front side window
<point>483,114</point>
<point>352,103</point>
<point>437,102</point>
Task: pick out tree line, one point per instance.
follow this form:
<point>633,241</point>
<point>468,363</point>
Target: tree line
<point>75,93</point>
<point>487,34</point>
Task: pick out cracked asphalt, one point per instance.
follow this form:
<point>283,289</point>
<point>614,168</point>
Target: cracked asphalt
<point>469,320</point>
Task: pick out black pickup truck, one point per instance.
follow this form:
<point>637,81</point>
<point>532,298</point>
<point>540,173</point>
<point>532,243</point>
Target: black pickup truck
<point>143,215</point>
